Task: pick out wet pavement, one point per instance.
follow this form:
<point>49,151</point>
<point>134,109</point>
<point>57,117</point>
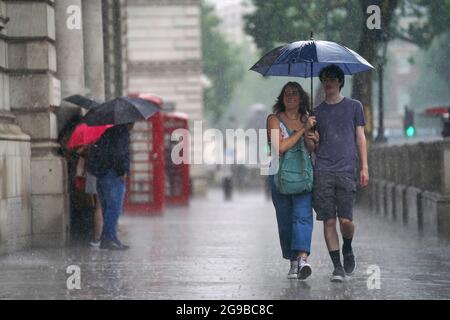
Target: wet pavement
<point>229,250</point>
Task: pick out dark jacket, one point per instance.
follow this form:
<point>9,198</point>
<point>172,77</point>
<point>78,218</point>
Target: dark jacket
<point>110,152</point>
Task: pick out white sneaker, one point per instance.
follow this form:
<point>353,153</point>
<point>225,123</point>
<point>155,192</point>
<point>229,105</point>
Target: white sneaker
<point>95,244</point>
<point>293,271</point>
<point>304,269</point>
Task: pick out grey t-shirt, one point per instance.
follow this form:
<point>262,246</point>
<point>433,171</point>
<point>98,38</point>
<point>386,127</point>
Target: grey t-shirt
<point>336,124</point>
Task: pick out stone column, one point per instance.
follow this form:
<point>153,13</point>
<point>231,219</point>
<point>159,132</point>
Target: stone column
<point>15,179</point>
<point>115,47</point>
<point>93,48</point>
<point>69,54</point>
<point>34,93</point>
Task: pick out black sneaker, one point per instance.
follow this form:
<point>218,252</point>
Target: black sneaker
<point>349,263</point>
<point>338,275</point>
<point>113,245</point>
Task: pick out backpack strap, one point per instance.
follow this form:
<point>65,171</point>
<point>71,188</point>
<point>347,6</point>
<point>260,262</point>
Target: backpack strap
<point>284,124</point>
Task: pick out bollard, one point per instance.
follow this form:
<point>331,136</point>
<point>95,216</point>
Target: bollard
<point>414,208</point>
<point>381,190</point>
<point>430,209</point>
<point>445,169</point>
<point>400,204</point>
<point>390,201</point>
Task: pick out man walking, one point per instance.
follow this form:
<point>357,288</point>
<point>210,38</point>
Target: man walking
<point>340,124</point>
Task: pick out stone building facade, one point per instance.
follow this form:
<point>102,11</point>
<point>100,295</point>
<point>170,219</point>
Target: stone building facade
<point>48,50</point>
<point>101,48</point>
<point>165,58</point>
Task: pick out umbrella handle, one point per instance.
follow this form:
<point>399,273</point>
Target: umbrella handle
<point>312,91</point>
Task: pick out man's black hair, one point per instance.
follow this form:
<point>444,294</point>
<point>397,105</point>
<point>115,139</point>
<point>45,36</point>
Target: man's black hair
<point>333,71</point>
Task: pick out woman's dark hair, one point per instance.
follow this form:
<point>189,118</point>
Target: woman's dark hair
<point>303,107</point>
<point>333,71</point>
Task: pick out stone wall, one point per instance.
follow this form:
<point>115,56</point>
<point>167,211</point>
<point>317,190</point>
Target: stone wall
<point>410,185</point>
<point>15,189</point>
<point>41,59</point>
<point>35,95</point>
<point>15,151</point>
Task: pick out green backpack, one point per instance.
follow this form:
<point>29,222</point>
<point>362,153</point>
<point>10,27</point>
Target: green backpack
<point>295,171</point>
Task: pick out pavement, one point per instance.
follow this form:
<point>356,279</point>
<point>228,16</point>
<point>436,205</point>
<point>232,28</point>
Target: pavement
<point>222,250</point>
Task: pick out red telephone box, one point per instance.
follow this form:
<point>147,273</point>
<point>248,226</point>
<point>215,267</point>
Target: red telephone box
<point>177,188</point>
<point>146,180</point>
<point>154,179</point>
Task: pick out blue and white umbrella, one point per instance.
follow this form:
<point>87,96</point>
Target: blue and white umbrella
<point>306,59</point>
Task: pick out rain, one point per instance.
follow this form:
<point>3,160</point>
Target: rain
<point>135,148</point>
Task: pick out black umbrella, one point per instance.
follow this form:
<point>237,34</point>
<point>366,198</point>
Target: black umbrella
<point>82,101</point>
<point>121,111</point>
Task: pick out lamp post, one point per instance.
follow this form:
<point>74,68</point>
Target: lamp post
<point>381,63</point>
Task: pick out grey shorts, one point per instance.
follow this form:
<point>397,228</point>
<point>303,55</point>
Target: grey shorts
<point>334,194</point>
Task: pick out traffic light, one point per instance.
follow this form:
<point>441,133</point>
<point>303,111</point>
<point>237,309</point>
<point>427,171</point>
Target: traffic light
<point>409,126</point>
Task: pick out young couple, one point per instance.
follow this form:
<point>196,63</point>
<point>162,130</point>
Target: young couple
<point>335,134</point>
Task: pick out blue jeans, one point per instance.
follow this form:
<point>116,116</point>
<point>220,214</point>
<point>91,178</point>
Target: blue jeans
<point>295,221</point>
<point>111,191</point>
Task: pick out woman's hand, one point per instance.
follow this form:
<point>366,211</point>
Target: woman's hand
<point>313,136</point>
<point>310,123</point>
<point>312,140</point>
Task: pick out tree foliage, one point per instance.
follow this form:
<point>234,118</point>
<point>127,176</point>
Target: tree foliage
<point>278,22</point>
<point>426,20</point>
<point>220,64</point>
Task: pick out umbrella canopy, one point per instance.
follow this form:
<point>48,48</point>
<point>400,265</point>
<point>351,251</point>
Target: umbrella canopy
<point>82,101</point>
<point>121,111</point>
<point>306,59</point>
<point>84,135</point>
<point>147,96</point>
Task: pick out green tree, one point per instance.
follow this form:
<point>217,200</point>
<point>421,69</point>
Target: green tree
<point>429,20</point>
<point>220,65</point>
<point>343,21</point>
<point>429,29</point>
<point>432,85</point>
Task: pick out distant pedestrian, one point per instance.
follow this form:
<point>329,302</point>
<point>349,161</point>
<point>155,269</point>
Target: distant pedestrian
<point>227,181</point>
<point>340,124</point>
<point>293,211</point>
<point>109,161</point>
<point>446,125</point>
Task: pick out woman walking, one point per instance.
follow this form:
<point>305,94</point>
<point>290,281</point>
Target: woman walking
<point>293,210</point>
